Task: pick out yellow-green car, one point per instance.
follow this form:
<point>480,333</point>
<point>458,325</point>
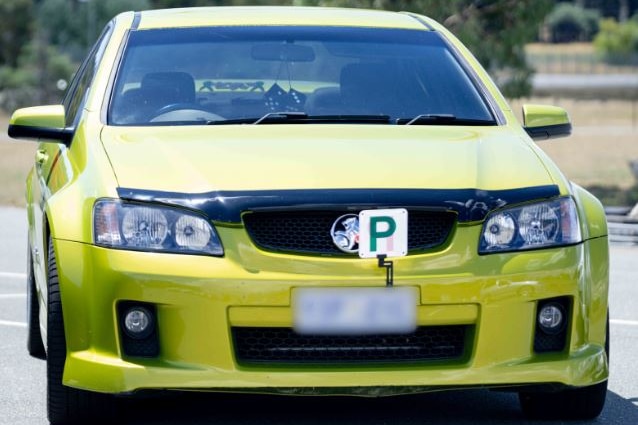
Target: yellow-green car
<point>305,201</point>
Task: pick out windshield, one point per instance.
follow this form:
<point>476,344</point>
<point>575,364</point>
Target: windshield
<point>218,75</point>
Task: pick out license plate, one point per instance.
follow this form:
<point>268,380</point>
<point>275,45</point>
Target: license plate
<point>354,311</point>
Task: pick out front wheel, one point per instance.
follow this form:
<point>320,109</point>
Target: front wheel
<point>66,405</point>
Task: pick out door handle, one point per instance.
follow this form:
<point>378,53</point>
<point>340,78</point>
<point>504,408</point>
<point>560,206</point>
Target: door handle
<point>41,156</point>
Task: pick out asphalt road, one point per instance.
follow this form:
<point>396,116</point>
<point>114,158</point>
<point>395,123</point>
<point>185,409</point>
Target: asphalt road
<point>22,379</point>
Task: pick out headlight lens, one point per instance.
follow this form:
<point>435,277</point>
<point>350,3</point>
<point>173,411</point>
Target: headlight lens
<point>192,232</point>
<point>153,228</point>
<point>539,225</point>
<point>144,227</point>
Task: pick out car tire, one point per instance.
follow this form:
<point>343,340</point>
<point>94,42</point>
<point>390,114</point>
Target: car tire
<point>35,347</point>
<point>67,405</point>
<point>571,404</point>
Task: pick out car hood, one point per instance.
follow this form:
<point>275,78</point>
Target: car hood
<point>196,159</point>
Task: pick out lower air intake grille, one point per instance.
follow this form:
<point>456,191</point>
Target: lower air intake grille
<point>284,345</point>
<point>308,232</point>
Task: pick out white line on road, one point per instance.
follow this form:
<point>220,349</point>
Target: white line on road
<point>13,275</point>
<point>14,324</point>
<point>624,322</point>
<point>7,296</point>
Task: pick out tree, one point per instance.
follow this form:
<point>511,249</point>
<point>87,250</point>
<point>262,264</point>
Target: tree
<point>159,4</point>
<point>618,42</point>
<point>43,41</point>
<point>14,29</point>
<point>29,83</point>
<point>73,26</point>
<point>569,22</point>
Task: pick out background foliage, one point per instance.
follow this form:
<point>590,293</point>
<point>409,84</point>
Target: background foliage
<point>571,22</point>
<point>42,42</point>
<point>618,42</point>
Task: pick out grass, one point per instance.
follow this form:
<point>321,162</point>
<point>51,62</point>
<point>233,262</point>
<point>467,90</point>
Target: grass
<point>597,155</point>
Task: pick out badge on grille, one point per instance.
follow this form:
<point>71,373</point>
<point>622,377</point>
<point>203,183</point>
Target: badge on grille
<point>345,233</point>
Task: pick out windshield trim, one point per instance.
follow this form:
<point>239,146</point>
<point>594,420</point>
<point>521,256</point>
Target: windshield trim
<point>479,84</point>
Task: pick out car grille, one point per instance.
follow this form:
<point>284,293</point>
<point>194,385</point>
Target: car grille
<point>284,345</point>
<point>308,232</point>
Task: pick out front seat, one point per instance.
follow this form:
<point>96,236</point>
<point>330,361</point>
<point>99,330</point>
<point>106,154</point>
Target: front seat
<point>160,89</point>
<point>157,90</point>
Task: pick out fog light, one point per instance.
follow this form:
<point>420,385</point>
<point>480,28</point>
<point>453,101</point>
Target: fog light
<point>139,322</point>
<point>551,318</point>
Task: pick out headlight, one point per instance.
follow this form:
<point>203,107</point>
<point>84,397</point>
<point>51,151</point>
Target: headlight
<point>153,228</point>
<point>539,225</point>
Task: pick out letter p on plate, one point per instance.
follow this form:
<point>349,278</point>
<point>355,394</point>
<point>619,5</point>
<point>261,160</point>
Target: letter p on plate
<point>383,232</point>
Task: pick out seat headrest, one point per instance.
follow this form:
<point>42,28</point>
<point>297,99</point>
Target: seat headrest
<point>169,87</point>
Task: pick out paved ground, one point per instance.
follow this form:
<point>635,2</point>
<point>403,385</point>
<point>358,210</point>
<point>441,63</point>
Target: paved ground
<point>22,390</point>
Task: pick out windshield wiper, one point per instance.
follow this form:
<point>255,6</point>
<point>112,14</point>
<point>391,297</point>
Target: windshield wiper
<point>270,117</point>
<point>443,119</point>
<point>303,118</point>
<point>281,116</point>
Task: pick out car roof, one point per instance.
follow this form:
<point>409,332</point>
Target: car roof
<point>278,15</point>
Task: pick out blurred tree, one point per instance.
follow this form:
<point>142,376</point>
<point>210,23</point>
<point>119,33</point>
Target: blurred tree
<point>157,4</point>
<point>29,83</point>
<point>627,9</point>
<point>43,41</point>
<point>14,29</point>
<point>569,22</point>
<point>160,4</point>
<point>618,42</point>
<point>617,9</point>
<point>73,26</point>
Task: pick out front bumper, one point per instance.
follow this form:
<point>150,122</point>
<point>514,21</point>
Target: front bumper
<point>200,298</point>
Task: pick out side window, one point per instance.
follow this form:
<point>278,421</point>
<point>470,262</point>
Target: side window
<point>76,95</point>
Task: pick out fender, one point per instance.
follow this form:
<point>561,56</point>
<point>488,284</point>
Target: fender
<point>592,208</point>
<point>82,175</point>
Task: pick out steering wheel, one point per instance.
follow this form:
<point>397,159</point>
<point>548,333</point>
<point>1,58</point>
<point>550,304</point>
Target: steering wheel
<point>184,112</point>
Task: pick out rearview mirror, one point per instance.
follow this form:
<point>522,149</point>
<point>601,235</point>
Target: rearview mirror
<point>42,123</point>
<point>544,122</point>
<point>282,52</point>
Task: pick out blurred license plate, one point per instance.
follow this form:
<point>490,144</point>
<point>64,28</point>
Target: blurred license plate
<point>339,311</point>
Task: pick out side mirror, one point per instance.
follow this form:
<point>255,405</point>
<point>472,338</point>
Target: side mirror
<point>544,122</point>
<point>42,123</point>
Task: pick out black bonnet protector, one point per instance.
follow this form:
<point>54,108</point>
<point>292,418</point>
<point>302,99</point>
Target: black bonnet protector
<point>227,206</point>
